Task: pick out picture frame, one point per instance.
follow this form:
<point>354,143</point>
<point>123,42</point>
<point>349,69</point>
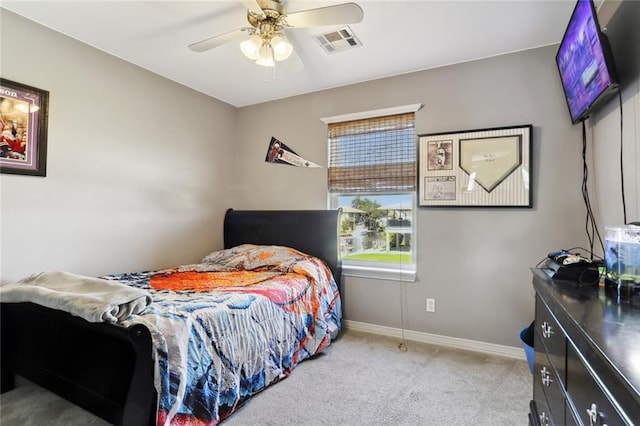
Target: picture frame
<point>24,114</point>
<point>475,168</point>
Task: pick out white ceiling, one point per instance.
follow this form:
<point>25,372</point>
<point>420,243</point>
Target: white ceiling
<point>397,36</point>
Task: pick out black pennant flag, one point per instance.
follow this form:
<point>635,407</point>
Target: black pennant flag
<point>280,153</point>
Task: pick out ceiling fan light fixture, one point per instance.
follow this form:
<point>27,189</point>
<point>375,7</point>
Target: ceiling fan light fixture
<point>282,49</point>
<point>251,47</point>
<point>265,56</point>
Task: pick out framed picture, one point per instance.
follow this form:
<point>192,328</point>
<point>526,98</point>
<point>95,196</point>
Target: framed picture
<point>475,168</point>
<point>23,122</point>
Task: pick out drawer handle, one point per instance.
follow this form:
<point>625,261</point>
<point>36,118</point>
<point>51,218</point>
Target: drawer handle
<point>546,330</point>
<point>544,419</point>
<point>593,415</point>
<point>546,377</point>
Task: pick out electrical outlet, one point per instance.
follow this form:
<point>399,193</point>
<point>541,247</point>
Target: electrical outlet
<point>431,305</point>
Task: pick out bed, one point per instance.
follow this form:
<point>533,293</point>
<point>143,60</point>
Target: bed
<point>114,369</point>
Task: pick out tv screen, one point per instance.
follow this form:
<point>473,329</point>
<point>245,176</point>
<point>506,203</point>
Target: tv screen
<point>584,62</point>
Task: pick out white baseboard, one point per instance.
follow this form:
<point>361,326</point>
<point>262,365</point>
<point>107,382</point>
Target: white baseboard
<point>435,339</point>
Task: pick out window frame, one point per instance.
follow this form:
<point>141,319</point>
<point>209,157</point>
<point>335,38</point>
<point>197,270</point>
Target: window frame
<point>404,272</point>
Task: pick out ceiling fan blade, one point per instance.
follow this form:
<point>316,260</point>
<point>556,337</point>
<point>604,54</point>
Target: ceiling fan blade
<point>253,6</point>
<point>347,13</point>
<point>219,40</point>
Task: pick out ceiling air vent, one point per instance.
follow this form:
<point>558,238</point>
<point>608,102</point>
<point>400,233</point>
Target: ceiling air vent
<point>337,41</point>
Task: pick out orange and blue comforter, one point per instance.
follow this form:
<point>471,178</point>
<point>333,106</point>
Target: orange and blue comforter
<point>226,328</point>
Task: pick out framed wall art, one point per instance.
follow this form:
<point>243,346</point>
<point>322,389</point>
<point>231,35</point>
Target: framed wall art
<point>23,122</point>
<point>475,168</point>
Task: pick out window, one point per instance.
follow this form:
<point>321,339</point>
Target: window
<point>372,177</point>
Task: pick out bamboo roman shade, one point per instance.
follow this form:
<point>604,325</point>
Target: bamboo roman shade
<point>373,155</point>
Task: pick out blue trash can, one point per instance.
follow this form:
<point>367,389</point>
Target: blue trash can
<point>528,350</point>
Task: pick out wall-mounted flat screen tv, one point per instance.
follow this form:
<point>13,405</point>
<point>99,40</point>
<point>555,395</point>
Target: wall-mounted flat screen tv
<point>585,63</point>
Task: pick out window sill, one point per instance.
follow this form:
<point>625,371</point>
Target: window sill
<point>389,274</point>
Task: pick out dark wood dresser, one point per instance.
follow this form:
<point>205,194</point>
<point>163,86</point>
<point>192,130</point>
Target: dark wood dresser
<point>587,355</point>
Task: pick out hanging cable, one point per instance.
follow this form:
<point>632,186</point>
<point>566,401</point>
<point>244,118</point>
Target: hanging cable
<point>624,203</point>
<point>402,347</point>
<point>590,224</point>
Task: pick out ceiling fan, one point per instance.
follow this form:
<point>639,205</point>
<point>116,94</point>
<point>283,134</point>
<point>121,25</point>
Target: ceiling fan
<point>267,42</point>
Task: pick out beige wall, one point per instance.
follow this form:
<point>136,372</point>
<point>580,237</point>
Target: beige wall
<point>136,163</point>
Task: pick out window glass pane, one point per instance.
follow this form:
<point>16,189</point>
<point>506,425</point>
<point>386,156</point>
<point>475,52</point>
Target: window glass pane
<point>376,228</point>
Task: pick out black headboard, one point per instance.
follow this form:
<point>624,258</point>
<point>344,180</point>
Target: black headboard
<point>314,232</point>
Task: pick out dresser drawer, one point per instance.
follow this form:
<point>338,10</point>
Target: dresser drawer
<point>549,333</point>
<point>547,386</point>
<point>539,414</point>
<point>589,399</point>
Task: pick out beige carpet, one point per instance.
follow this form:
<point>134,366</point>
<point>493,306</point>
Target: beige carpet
<point>362,379</point>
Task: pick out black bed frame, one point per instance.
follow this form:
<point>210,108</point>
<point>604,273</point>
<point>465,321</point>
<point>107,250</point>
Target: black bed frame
<point>107,369</point>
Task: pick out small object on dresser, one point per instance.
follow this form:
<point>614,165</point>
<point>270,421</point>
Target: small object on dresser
<point>622,254</point>
<point>567,266</point>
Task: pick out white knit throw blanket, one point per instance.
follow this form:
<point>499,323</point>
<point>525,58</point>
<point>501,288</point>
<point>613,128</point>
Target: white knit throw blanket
<point>94,299</point>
